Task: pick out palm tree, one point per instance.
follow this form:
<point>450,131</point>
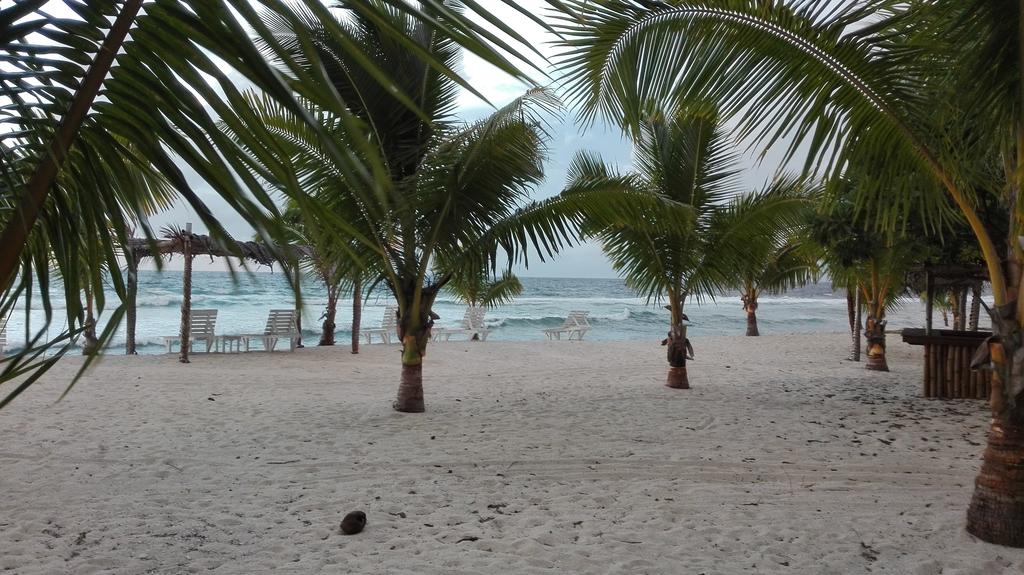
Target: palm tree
<point>864,83</point>
<point>685,158</point>
<point>317,266</point>
<point>773,269</point>
<point>160,91</point>
<point>871,264</point>
<point>478,288</point>
<point>443,191</point>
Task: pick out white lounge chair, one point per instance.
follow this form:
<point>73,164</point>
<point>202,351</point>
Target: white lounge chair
<point>388,326</point>
<point>471,324</point>
<point>280,324</point>
<point>576,326</point>
<point>201,324</point>
<point>3,338</point>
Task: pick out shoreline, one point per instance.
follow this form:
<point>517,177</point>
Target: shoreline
<point>533,457</point>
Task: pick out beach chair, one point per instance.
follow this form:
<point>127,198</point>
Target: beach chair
<point>576,326</point>
<point>3,338</point>
<point>471,324</point>
<point>281,323</point>
<point>464,327</point>
<point>201,324</point>
<point>388,326</point>
<point>477,322</point>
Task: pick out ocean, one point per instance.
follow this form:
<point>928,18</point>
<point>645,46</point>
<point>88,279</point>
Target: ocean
<point>616,313</point>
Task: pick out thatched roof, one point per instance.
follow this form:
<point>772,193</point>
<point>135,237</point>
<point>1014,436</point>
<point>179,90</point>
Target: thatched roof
<point>174,243</point>
<point>946,276</point>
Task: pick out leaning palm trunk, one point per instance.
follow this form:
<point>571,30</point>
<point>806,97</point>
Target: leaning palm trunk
<point>750,306</point>
<point>677,347</point>
<point>874,333</point>
<point>13,237</point>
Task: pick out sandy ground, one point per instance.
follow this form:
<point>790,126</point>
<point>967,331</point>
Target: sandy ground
<point>560,457</point>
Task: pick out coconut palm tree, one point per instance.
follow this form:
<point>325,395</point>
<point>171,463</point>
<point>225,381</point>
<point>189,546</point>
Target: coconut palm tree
<point>863,83</point>
<point>773,269</point>
<point>444,191</point>
<point>317,266</point>
<point>685,158</point>
<point>871,264</point>
<point>478,288</point>
<point>160,91</point>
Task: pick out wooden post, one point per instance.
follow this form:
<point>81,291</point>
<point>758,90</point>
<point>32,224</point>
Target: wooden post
<point>929,304</point>
<point>947,377</point>
<point>186,296</point>
<point>357,311</point>
<point>958,371</point>
<point>133,289</point>
<point>951,369</point>
<point>298,305</point>
<point>927,370</point>
<point>975,305</point>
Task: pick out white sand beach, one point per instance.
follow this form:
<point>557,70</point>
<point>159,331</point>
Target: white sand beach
<point>560,457</point>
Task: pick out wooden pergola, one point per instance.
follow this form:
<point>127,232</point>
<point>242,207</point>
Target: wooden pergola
<point>189,245</point>
<point>928,278</point>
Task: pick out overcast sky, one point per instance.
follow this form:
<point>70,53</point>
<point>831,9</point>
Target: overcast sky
<point>567,138</point>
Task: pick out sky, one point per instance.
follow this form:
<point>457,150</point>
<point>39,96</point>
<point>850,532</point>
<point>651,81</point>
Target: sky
<point>567,137</point>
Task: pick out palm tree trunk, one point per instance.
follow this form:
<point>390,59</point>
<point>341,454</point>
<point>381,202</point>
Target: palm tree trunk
<point>410,390</point>
<point>357,312</point>
<point>91,341</point>
<point>132,303</point>
<point>298,307</point>
<point>853,310</point>
<point>750,306</point>
<point>996,513</point>
<point>959,299</point>
<point>858,328</point>
<point>975,306</point>
<point>414,328</point>
<point>327,333</point>
<point>677,347</point>
<point>874,333</point>
<point>186,301</point>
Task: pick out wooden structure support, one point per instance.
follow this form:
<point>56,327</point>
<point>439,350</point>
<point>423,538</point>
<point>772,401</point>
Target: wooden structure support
<point>947,363</point>
<point>184,242</point>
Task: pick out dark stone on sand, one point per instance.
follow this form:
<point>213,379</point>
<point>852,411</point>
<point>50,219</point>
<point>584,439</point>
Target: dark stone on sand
<point>353,523</point>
